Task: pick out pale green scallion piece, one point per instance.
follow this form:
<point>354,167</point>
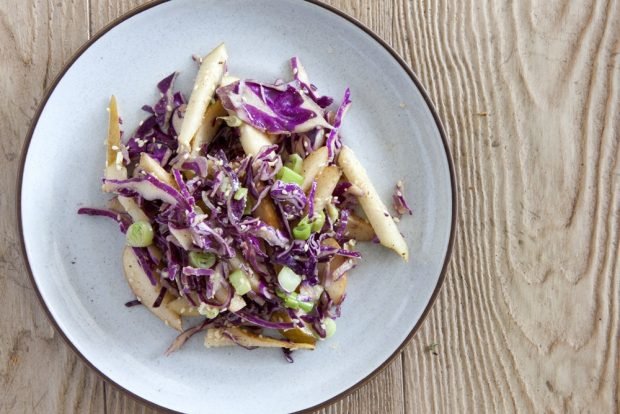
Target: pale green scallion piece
<point>140,234</point>
<point>318,221</point>
<point>289,176</point>
<point>305,306</point>
<point>240,282</point>
<point>292,301</point>
<point>330,327</point>
<point>201,260</point>
<point>332,212</point>
<point>295,163</point>
<point>210,312</point>
<point>288,279</point>
<point>241,193</point>
<point>303,229</point>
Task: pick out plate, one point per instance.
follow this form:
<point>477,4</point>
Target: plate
<point>74,261</point>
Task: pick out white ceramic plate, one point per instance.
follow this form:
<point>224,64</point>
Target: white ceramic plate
<point>75,260</point>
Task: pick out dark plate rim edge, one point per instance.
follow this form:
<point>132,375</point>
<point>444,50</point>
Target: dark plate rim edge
<point>406,68</point>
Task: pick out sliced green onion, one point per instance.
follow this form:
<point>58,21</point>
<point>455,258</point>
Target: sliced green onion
<point>302,230</point>
<point>140,234</point>
<point>232,121</point>
<point>289,176</point>
<point>249,203</point>
<point>330,327</point>
<point>241,193</point>
<point>318,221</point>
<point>288,279</point>
<point>212,312</point>
<point>201,260</point>
<point>291,301</point>
<point>209,311</point>
<point>295,163</point>
<point>240,282</point>
<point>305,306</point>
<point>332,212</point>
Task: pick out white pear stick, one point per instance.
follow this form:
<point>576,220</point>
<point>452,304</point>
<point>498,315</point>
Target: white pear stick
<point>313,164</point>
<point>375,210</point>
<point>209,77</point>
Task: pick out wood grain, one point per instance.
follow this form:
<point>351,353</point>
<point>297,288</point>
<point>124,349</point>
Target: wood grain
<point>529,91</point>
<point>528,318</point>
<point>38,371</point>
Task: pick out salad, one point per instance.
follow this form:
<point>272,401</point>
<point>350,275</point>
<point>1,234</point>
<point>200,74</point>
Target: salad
<point>242,208</point>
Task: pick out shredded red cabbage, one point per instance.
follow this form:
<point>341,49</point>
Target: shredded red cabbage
<point>122,219</point>
<point>291,198</point>
<point>208,203</point>
<point>275,109</point>
<point>334,143</point>
<point>398,199</point>
<point>300,75</point>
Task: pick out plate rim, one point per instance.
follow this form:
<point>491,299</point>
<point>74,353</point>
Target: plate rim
<point>153,3</point>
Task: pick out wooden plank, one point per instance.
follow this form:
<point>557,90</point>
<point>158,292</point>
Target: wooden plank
<point>528,319</point>
<point>529,93</point>
<point>103,12</point>
<point>382,394</point>
<point>38,371</point>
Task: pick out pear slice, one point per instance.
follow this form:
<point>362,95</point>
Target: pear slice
<point>336,289</point>
<point>222,337</point>
<point>359,229</point>
<point>298,335</point>
<point>146,292</point>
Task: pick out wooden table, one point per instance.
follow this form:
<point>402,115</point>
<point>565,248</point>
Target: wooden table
<point>527,321</point>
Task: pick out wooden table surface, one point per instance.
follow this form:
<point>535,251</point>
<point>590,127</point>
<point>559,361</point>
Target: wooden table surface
<point>528,318</point>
